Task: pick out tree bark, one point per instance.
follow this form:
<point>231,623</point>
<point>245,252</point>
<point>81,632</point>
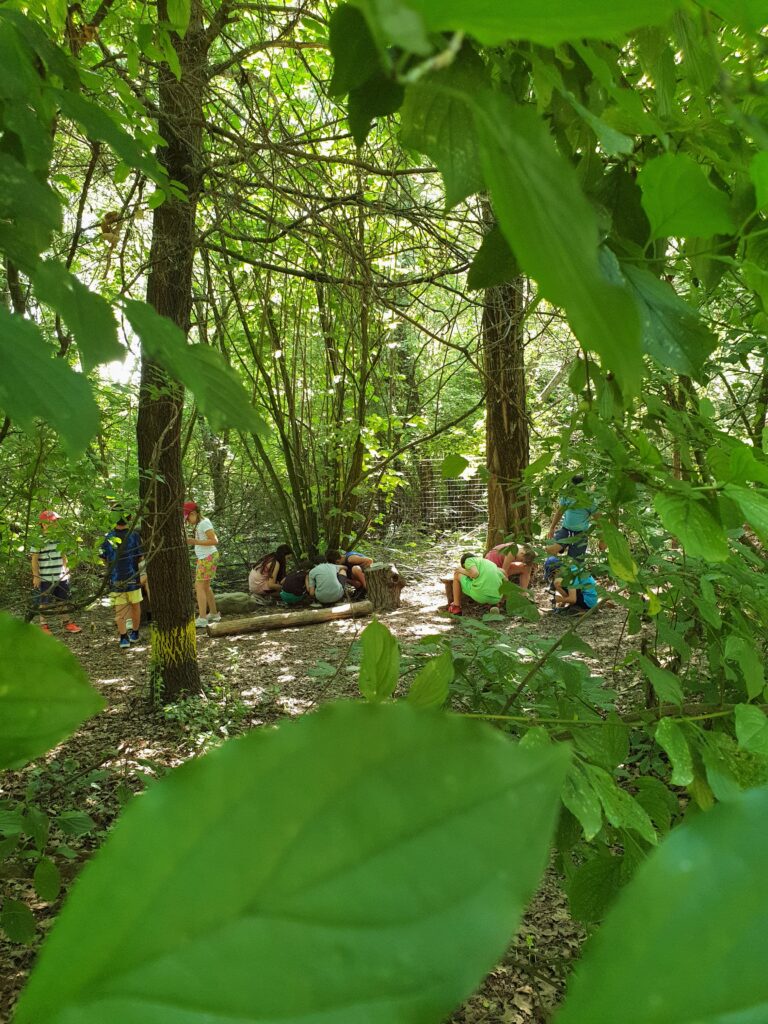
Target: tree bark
<point>383,584</point>
<point>507,430</point>
<point>169,289</point>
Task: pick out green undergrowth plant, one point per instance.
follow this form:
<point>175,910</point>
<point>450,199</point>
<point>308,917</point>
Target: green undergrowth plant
<point>209,717</point>
<point>371,861</point>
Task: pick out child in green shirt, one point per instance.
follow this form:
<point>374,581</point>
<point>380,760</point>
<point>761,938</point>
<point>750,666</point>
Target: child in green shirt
<point>477,578</point>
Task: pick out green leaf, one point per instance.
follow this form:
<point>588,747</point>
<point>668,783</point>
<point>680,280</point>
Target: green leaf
<point>671,739</point>
<point>623,566</point>
<point>753,505</point>
<point>379,663</point>
<point>452,466</point>
<point>26,200</point>
<point>672,332</point>
<point>99,124</point>
<point>18,922</point>
<point>519,602</point>
<point>88,315</point>
<point>579,796</point>
<point>47,879</point>
<point>621,809</point>
<point>665,684</point>
<point>493,22</point>
<point>35,385</point>
<point>430,687</point>
<point>376,97</point>
<point>758,172</point>
<point>552,230</point>
<point>355,53</point>
<point>156,198</point>
<point>749,660</point>
<point>494,262</point>
<point>364,863</point>
<point>44,693</point>
<point>689,518</point>
<point>686,939</point>
<point>751,729</point>
<point>75,823</point>
<point>593,887</point>
<point>220,395</point>
<point>178,15</point>
<point>437,120</point>
<point>657,800</point>
<point>679,199</point>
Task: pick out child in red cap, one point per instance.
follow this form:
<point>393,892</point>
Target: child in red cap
<point>50,573</point>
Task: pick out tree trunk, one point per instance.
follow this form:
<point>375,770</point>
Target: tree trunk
<point>507,428</point>
<point>158,429</point>
<point>383,584</point>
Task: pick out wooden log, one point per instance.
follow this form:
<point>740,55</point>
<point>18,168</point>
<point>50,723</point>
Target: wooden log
<point>383,584</point>
<point>282,620</point>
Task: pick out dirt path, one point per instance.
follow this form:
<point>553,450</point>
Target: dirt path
<point>258,679</point>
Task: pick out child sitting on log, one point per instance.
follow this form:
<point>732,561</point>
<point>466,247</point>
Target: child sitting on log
<point>479,579</point>
<point>514,560</point>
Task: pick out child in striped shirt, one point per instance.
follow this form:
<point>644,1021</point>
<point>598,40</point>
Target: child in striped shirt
<point>50,574</point>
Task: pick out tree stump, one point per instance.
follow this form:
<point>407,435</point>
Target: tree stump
<point>383,586</point>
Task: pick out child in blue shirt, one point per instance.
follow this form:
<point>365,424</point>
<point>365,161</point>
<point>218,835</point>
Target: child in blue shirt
<point>575,519</point>
<point>576,593</point>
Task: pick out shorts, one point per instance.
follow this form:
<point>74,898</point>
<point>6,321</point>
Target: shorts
<point>206,568</point>
<point>51,591</point>
<point>121,597</point>
<point>579,547</point>
<point>287,598</point>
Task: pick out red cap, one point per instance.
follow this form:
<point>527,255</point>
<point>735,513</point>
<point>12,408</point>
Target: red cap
<point>48,516</point>
<point>189,506</point>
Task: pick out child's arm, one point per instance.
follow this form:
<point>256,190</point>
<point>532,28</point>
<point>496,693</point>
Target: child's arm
<point>564,596</point>
<point>309,587</point>
<point>556,517</point>
<point>36,577</point>
<point>472,572</point>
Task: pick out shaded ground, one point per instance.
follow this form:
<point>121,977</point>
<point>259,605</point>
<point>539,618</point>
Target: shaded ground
<point>257,679</point>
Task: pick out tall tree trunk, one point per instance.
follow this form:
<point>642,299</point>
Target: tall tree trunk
<point>507,429</point>
<point>158,428</point>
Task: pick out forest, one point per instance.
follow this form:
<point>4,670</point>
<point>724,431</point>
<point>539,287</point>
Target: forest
<point>383,512</point>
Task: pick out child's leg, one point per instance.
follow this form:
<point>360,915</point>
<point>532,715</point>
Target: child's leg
<point>357,576</point>
<point>122,613</point>
<point>136,613</point>
<point>456,590</point>
<point>448,584</point>
<point>210,599</point>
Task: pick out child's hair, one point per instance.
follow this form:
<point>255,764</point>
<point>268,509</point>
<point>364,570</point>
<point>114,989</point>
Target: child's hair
<point>332,555</point>
<point>305,565</point>
<point>551,566</point>
<point>527,553</point>
<point>576,480</point>
<point>466,556</point>
<point>267,563</point>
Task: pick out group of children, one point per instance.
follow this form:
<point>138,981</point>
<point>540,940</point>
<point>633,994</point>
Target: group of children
<point>481,578</point>
<point>322,581</point>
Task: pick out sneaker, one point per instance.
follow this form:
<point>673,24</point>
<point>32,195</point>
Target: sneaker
<point>124,641</point>
<point>214,617</point>
<point>201,623</point>
<point>46,629</point>
<point>454,609</point>
<point>315,604</point>
<point>133,636</point>
<point>72,627</point>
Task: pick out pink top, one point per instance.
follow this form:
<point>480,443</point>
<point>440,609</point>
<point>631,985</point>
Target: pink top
<point>497,553</point>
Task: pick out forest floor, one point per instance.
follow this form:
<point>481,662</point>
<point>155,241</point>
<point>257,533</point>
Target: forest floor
<point>257,679</point>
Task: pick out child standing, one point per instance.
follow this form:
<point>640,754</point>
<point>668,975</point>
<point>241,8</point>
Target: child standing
<point>206,543</point>
<point>121,550</point>
<point>576,517</point>
<point>50,573</point>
